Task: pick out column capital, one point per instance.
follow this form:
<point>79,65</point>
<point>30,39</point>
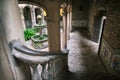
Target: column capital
<point>69,8</point>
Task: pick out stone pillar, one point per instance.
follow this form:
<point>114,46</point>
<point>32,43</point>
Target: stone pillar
<point>9,12</point>
<point>63,34</point>
<point>68,26</point>
<point>42,14</point>
<point>65,28</point>
<point>64,17</point>
<point>33,16</point>
<point>22,17</point>
<point>54,36</point>
<point>70,21</point>
<point>53,26</point>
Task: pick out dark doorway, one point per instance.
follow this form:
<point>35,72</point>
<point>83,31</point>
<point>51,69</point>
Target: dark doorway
<point>98,24</point>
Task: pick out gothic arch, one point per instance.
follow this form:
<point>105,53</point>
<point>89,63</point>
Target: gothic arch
<point>34,3</point>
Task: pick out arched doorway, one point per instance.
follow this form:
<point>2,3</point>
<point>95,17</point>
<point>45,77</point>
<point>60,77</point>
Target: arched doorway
<point>99,22</point>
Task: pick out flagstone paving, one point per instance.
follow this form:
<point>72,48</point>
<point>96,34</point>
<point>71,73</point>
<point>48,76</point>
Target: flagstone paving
<point>83,61</point>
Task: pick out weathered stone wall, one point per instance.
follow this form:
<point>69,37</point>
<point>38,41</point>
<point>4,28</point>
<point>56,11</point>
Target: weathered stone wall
<point>5,68</point>
<point>110,46</point>
<point>79,13</point>
<point>12,23</point>
<point>10,29</point>
<point>56,69</point>
<point>110,49</point>
<point>92,13</point>
<point>112,26</point>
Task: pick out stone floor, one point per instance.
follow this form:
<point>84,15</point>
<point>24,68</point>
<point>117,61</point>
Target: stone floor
<point>83,60</point>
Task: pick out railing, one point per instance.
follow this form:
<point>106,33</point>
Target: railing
<point>52,63</point>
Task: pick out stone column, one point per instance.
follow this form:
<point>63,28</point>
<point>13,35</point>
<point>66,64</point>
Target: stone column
<point>68,26</point>
<point>33,16</point>
<point>65,30</point>
<point>64,17</point>
<point>43,21</point>
<point>70,21</point>
<point>22,17</point>
<point>53,26</point>
<point>9,12</point>
<point>53,35</point>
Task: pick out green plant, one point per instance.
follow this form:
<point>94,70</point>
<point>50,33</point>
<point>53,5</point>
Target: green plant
<point>28,33</point>
<point>36,29</point>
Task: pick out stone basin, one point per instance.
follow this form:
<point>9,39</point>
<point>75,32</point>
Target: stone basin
<point>39,40</point>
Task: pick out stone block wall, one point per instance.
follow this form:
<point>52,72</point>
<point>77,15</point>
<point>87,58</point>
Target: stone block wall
<point>92,13</point>
<point>110,57</point>
<point>112,27</point>
<point>110,48</point>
